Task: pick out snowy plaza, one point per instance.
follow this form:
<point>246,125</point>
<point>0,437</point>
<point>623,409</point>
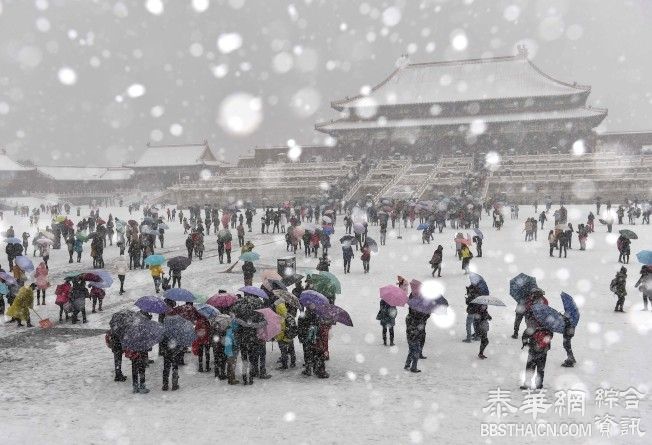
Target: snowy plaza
<point>325,222</point>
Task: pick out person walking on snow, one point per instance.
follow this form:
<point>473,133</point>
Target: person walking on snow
<point>120,268</point>
<point>618,286</point>
<point>435,261</point>
<point>644,284</point>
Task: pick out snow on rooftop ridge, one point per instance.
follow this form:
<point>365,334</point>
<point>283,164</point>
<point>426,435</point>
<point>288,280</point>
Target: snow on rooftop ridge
<point>9,165</point>
<point>463,80</point>
<point>176,155</point>
<point>72,173</point>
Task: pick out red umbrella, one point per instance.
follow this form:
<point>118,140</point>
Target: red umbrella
<point>188,312</point>
<point>89,276</point>
<point>68,223</point>
<point>100,221</point>
<point>221,301</point>
<point>393,295</point>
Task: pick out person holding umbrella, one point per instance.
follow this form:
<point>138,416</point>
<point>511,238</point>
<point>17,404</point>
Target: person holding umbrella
<point>78,295</point>
<point>624,246</point>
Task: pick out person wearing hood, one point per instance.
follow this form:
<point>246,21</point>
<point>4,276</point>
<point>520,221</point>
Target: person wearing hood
<point>618,286</point>
<point>24,301</point>
<point>537,338</point>
<point>42,283</point>
<point>472,310</point>
<point>285,338</point>
<point>435,261</point>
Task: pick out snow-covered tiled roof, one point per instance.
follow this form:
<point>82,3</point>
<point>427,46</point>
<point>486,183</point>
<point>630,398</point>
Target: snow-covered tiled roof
<point>463,80</point>
<point>9,165</point>
<point>66,173</point>
<point>175,156</point>
<point>577,113</point>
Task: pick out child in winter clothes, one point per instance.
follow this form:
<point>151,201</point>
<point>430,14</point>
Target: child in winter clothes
<point>97,295</point>
<point>42,283</point>
<point>618,287</point>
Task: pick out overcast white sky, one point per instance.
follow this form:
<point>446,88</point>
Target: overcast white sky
<point>92,81</point>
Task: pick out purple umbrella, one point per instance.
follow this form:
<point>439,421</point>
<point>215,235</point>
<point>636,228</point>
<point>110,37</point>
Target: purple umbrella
<point>105,277</point>
<point>334,313</point>
<point>311,298</point>
<point>426,306</point>
<point>358,228</point>
<point>179,294</point>
<point>252,290</point>
<point>24,263</point>
<point>221,301</point>
<point>7,278</point>
<point>153,305</point>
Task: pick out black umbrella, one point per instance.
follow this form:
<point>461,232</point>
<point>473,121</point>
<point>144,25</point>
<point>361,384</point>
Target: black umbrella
<point>292,279</point>
<point>179,263</point>
<point>347,239</point>
<point>121,320</point>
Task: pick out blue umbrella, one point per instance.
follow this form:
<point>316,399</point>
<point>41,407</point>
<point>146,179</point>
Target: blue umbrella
<point>312,298</point>
<point>178,331</point>
<point>24,263</point>
<point>142,335</point>
<point>208,311</point>
<point>250,256</point>
<point>13,240</point>
<point>328,230</point>
<point>570,308</point>
<point>253,290</point>
<point>521,285</point>
<point>155,260</point>
<point>179,294</point>
<point>549,317</point>
<point>423,226</point>
<point>7,278</point>
<point>153,305</point>
<point>644,257</point>
<point>479,233</point>
<point>4,290</point>
<point>479,283</point>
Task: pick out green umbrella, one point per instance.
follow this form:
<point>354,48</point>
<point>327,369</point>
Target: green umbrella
<point>325,288</point>
<point>72,274</point>
<point>333,280</point>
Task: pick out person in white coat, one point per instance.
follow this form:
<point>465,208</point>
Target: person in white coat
<point>121,270</point>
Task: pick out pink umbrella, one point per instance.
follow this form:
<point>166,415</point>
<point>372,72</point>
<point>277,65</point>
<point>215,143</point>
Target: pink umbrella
<point>270,274</point>
<point>273,327</point>
<point>393,295</point>
<point>415,287</point>
<point>299,231</point>
<point>222,301</point>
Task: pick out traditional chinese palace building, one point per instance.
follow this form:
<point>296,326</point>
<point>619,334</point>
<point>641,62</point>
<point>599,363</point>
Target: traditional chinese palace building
<point>425,110</point>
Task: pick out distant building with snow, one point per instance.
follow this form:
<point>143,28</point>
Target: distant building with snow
<point>161,166</point>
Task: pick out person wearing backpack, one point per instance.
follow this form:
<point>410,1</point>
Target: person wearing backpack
<point>538,344</point>
<point>618,287</point>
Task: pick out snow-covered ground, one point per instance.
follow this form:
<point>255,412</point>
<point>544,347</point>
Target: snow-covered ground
<point>57,385</point>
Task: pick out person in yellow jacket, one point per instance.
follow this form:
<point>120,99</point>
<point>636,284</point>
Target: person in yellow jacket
<point>285,338</point>
<point>466,255</point>
<point>157,272</point>
<point>24,301</point>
